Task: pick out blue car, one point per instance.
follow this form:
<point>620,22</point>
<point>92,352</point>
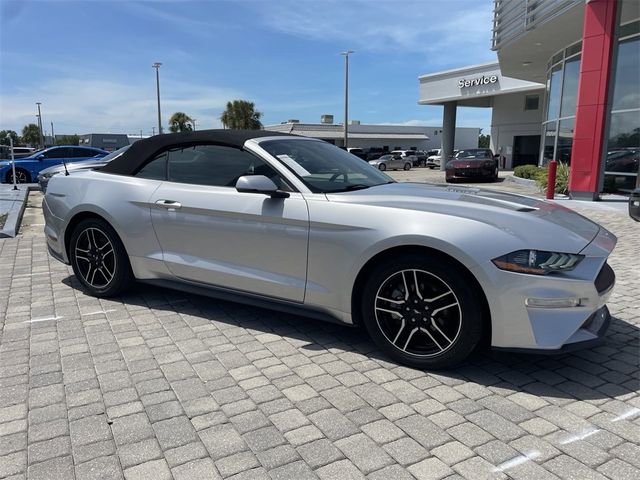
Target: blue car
<point>28,168</point>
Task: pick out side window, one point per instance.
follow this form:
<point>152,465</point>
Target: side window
<point>82,152</point>
<point>156,169</point>
<point>217,166</point>
<point>57,153</point>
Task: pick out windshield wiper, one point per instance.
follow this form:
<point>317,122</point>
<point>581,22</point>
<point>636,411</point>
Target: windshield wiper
<point>355,186</point>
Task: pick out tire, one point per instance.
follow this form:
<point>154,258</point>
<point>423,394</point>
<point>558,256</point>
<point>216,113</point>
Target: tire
<point>382,167</point>
<point>21,174</point>
<point>101,274</point>
<point>407,166</point>
<point>440,339</point>
<point>431,167</point>
<point>423,163</point>
<point>495,175</point>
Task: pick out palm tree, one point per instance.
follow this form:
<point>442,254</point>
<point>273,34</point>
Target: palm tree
<point>31,134</point>
<point>180,122</point>
<point>241,115</point>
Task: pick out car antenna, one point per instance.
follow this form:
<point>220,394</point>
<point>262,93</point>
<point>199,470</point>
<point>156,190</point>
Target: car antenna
<point>64,164</point>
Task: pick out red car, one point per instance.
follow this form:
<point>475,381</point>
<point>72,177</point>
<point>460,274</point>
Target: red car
<point>472,164</point>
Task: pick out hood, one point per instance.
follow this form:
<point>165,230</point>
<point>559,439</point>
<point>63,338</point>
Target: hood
<point>469,162</point>
<point>542,224</point>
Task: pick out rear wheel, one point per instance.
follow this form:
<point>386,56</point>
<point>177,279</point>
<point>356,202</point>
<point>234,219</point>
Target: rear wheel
<point>98,258</point>
<point>422,311</point>
<point>407,166</point>
<point>22,176</point>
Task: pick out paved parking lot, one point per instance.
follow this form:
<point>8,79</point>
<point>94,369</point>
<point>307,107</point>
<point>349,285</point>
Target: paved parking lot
<point>160,384</point>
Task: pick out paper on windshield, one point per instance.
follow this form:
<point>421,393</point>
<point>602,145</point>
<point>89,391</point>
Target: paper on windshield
<point>295,166</point>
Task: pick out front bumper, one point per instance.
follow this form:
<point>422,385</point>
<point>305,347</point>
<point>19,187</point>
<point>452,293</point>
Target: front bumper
<point>590,334</point>
<point>54,233</point>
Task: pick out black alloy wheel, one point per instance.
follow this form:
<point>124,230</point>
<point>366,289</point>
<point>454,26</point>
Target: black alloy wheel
<point>22,176</point>
<point>98,258</point>
<point>422,312</point>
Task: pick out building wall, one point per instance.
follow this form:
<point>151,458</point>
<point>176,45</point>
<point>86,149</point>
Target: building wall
<point>509,119</point>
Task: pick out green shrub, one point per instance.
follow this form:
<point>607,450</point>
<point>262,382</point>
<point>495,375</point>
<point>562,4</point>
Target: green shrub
<point>528,171</point>
<point>562,179</point>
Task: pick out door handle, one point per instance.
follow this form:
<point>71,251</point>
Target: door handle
<point>169,204</point>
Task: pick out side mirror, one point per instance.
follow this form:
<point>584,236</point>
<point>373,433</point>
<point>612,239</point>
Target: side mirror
<point>40,157</point>
<point>259,184</point>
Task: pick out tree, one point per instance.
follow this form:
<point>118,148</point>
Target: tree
<point>6,134</point>
<point>241,115</point>
<point>31,134</point>
<point>484,141</point>
<point>68,140</point>
<point>180,122</point>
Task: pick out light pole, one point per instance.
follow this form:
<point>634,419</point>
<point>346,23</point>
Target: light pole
<point>194,124</point>
<point>153,130</point>
<point>157,67</point>
<point>40,124</point>
<point>53,137</point>
<point>346,96</point>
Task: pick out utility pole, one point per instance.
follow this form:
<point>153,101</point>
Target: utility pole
<point>153,130</point>
<point>346,96</point>
<point>53,137</point>
<point>157,67</point>
<point>194,124</point>
<point>40,124</point>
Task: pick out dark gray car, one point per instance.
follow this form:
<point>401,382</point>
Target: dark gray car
<point>47,173</point>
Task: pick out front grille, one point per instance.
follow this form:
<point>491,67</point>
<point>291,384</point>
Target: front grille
<point>468,172</point>
<point>605,279</point>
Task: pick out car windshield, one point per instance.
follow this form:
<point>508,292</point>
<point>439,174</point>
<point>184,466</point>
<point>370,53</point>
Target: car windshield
<point>323,167</point>
<point>386,157</point>
<point>472,154</point>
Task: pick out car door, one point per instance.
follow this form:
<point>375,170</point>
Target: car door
<point>210,233</point>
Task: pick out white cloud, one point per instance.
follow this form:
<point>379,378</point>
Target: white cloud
<point>446,31</point>
<point>95,105</point>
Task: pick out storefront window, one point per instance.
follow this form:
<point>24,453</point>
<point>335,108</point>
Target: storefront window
<point>622,160</point>
<point>561,101</point>
<point>565,140</point>
<point>570,87</point>
<point>553,92</point>
<point>549,144</point>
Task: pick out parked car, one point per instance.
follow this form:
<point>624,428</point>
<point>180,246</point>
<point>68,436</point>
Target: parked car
<point>18,152</point>
<point>46,174</point>
<point>474,164</point>
<point>634,205</point>
<point>296,224</point>
<point>358,152</point>
<point>375,153</point>
<point>392,162</point>
<point>28,168</point>
<point>624,160</point>
<point>419,158</point>
<point>434,158</point>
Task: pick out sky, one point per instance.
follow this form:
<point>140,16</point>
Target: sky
<point>90,62</point>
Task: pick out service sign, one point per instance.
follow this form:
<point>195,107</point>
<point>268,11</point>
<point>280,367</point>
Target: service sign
<point>483,80</point>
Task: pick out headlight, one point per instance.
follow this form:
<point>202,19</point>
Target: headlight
<point>537,262</point>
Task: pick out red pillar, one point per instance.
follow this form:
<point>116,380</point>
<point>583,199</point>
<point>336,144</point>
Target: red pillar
<point>598,37</point>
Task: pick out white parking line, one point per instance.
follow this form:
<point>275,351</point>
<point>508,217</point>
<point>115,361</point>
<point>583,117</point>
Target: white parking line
<point>519,460</point>
<point>23,275</point>
<point>97,312</point>
<point>631,413</point>
<point>580,436</point>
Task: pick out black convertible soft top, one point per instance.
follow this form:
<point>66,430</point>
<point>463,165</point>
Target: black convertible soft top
<point>145,149</point>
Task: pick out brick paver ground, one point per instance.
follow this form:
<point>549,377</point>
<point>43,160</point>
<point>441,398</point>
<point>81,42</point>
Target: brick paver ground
<point>159,384</point>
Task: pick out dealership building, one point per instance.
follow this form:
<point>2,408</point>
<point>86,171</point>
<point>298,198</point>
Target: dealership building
<point>387,137</point>
<point>566,87</point>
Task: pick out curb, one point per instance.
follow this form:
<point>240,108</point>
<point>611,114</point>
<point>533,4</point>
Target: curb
<point>14,218</point>
<point>521,181</point>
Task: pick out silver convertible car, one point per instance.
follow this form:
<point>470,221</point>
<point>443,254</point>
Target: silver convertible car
<point>300,225</point>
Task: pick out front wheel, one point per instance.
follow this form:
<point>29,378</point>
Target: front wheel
<point>382,167</point>
<point>99,259</point>
<point>22,176</point>
<point>422,311</point>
